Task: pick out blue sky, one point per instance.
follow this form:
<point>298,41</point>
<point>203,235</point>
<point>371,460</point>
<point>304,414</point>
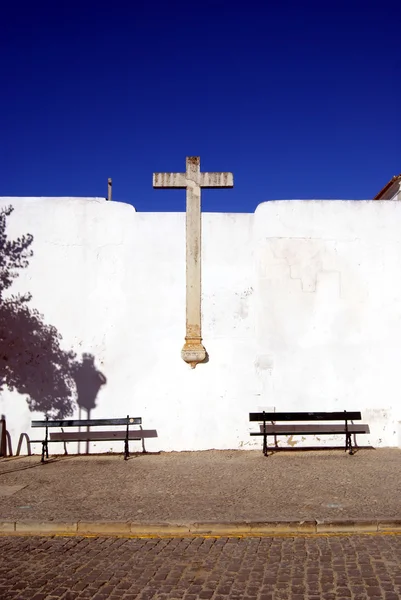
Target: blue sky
<point>297,99</point>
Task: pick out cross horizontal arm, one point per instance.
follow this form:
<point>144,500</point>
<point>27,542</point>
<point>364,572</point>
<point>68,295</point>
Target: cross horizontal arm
<point>216,180</point>
<point>170,180</point>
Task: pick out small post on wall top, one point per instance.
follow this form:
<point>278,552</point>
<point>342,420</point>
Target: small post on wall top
<point>192,181</point>
<point>109,188</point>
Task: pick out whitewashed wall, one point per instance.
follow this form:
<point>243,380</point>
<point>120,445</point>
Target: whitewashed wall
<point>301,310</point>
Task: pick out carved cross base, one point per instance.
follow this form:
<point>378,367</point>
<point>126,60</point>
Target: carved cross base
<point>193,351</point>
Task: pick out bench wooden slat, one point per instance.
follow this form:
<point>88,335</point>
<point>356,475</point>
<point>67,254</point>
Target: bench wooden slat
<point>88,422</point>
<point>311,429</point>
<point>84,436</point>
<point>305,416</point>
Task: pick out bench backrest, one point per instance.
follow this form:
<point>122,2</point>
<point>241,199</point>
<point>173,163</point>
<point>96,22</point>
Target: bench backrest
<point>88,422</point>
<point>305,416</point>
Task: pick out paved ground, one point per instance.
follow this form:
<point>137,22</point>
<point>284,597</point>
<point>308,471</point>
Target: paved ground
<point>319,568</point>
<point>204,486</point>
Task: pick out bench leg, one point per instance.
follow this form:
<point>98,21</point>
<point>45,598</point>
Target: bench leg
<point>45,451</point>
<point>348,444</point>
<point>126,450</point>
<point>265,445</point>
<point>45,446</point>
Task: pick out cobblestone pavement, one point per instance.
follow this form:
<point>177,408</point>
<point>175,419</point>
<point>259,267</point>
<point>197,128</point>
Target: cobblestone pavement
<point>310,568</point>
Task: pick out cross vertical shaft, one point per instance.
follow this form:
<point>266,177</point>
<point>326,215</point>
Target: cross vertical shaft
<point>193,350</point>
<point>193,180</point>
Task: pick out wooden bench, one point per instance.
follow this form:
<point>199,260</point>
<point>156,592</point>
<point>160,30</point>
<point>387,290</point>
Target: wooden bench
<point>88,436</point>
<point>269,425</point>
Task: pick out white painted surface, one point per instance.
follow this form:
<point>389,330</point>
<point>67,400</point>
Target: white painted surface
<point>301,311</point>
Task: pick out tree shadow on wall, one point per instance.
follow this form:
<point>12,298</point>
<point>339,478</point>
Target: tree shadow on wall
<point>32,361</point>
<point>88,381</point>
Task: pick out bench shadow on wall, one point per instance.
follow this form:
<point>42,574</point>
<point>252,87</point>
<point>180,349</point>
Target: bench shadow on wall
<point>32,361</point>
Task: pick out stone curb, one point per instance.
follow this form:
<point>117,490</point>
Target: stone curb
<point>201,529</point>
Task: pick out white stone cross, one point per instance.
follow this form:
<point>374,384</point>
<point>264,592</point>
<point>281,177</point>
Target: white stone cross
<point>193,180</point>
